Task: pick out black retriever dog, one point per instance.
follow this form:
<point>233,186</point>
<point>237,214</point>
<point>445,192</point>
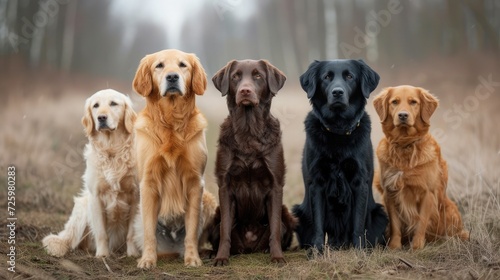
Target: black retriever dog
<point>250,165</point>
<point>337,163</point>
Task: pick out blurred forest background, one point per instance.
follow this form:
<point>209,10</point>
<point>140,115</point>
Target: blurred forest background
<point>108,38</point>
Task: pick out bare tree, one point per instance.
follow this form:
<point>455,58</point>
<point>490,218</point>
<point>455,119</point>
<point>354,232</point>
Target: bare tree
<point>68,36</point>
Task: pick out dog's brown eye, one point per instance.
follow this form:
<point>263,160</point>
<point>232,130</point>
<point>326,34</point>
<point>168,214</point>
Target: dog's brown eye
<point>413,102</point>
<point>236,76</point>
<point>96,105</point>
<point>159,65</point>
<point>348,76</point>
<point>182,65</point>
<point>394,102</point>
<point>113,103</point>
<point>257,76</point>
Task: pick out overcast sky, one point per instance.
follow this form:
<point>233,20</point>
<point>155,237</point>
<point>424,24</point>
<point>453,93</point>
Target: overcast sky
<point>171,14</point>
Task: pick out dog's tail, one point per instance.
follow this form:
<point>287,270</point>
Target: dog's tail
<point>304,227</point>
<point>376,226</point>
<point>212,231</point>
<point>209,206</point>
<point>74,231</point>
<point>289,224</point>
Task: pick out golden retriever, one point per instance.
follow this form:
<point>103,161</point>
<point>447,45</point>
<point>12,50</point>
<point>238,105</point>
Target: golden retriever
<point>102,217</point>
<point>413,175</point>
<point>171,154</point>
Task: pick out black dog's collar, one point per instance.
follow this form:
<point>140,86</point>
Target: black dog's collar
<point>342,131</point>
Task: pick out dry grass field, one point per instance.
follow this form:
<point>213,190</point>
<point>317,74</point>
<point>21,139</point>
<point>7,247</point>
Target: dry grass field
<point>43,138</point>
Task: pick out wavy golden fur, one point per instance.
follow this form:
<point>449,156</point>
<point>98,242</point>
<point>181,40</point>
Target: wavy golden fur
<point>171,155</point>
<point>102,217</point>
<point>413,175</point>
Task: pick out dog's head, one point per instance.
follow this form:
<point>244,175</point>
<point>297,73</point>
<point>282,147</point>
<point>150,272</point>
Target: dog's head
<point>108,110</point>
<point>170,72</point>
<point>405,108</point>
<point>248,82</point>
<point>338,87</point>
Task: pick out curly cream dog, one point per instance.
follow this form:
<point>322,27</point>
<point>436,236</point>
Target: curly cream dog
<point>102,218</point>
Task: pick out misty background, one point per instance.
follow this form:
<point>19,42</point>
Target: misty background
<point>108,38</point>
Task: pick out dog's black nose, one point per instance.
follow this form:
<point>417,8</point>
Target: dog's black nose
<point>172,77</point>
<point>403,116</point>
<point>337,92</point>
<point>102,118</point>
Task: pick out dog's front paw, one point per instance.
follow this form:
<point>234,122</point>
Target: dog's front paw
<point>221,261</point>
<point>192,261</point>
<point>102,252</point>
<point>55,246</point>
<point>319,245</point>
<point>277,255</point>
<point>395,244</point>
<point>418,243</point>
<point>147,262</point>
<point>464,235</point>
<point>279,260</point>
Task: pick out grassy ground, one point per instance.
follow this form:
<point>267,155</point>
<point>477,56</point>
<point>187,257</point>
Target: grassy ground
<point>42,136</point>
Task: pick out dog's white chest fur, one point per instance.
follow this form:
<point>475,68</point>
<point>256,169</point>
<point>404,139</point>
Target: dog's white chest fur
<point>112,166</point>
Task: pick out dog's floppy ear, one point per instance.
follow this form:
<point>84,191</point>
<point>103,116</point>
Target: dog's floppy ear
<point>429,104</point>
<point>381,103</point>
<point>221,78</point>
<point>87,120</point>
<point>143,81</point>
<point>130,115</point>
<point>369,79</point>
<point>275,78</point>
<point>308,79</point>
<point>198,76</point>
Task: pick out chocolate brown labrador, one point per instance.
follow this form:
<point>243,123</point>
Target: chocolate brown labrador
<point>250,166</point>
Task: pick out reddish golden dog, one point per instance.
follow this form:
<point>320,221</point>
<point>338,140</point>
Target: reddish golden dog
<point>171,156</point>
<point>413,175</point>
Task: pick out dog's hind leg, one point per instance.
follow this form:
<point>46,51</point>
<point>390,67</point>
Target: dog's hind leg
<point>74,229</point>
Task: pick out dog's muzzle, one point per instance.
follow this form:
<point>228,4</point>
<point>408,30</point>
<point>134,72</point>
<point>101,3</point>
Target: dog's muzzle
<point>337,98</point>
<point>103,122</point>
<point>247,97</point>
<point>403,118</point>
<point>173,85</point>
